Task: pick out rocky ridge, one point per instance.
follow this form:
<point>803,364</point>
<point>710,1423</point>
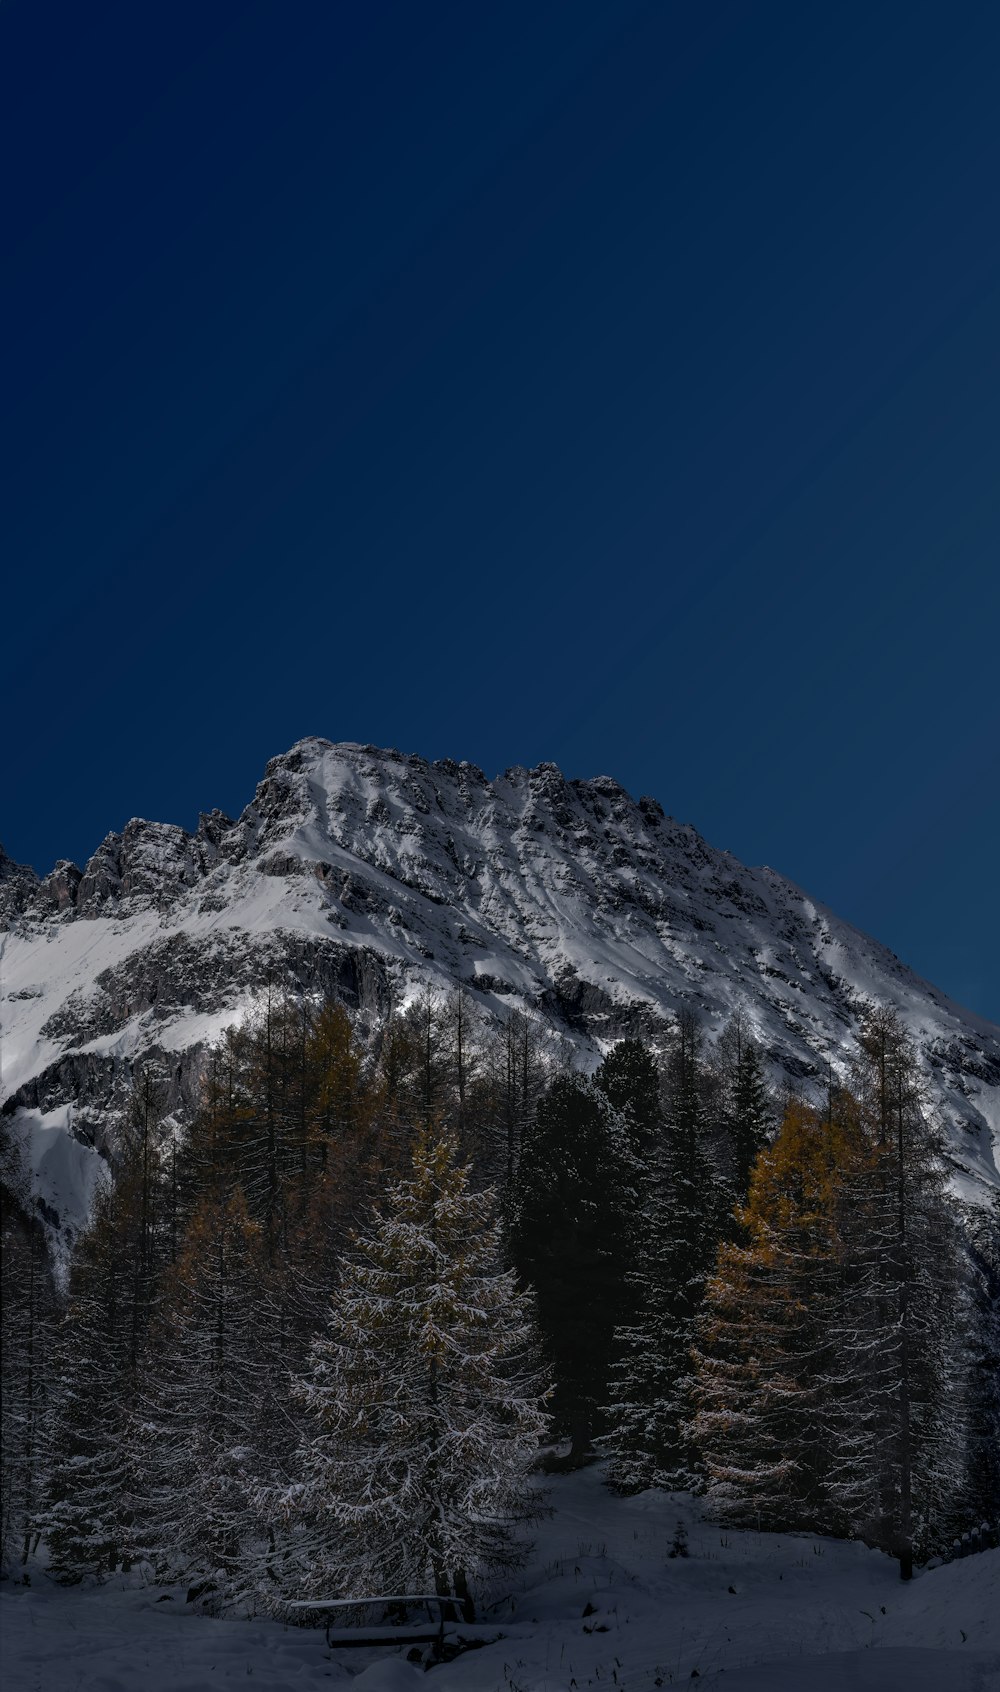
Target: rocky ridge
<point>372,875</point>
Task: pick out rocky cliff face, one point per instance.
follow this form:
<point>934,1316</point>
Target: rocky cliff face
<point>372,875</point>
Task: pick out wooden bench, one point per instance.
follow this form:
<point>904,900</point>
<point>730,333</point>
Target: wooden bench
<point>402,1633</point>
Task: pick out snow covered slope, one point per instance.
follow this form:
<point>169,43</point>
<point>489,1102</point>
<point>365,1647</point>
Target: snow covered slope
<point>599,1604</point>
<point>372,874</point>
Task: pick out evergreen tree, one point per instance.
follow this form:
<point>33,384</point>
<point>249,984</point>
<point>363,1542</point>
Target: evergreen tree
<point>903,1326</point>
<point>424,1403</point>
<point>746,1106</point>
<point>99,1354</point>
<point>139,1210</point>
<point>983,1485</point>
<point>573,1237</point>
<point>28,1315</point>
<point>644,1415</point>
<point>683,1217</point>
<point>271,1119</point>
<point>86,1513</point>
<point>629,1078</point>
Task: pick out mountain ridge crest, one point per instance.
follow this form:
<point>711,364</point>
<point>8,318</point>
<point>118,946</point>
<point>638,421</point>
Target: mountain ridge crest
<point>374,875</point>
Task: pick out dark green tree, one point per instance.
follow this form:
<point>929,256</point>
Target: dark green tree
<point>746,1108</point>
<point>686,1209</point>
<point>629,1078</point>
<point>28,1318</point>
<point>573,1239</point>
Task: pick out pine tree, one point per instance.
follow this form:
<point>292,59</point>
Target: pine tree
<point>28,1314</point>
<point>99,1354</point>
<point>684,1214</point>
<point>644,1416</point>
<point>903,1328</point>
<point>86,1512</point>
<point>573,1237</point>
<point>271,1121</point>
<point>747,1114</point>
<point>983,1484</point>
<point>629,1078</point>
<point>140,1208</point>
<point>424,1402</point>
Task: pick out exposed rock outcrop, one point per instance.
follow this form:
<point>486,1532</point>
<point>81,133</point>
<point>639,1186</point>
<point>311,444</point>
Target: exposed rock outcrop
<point>372,874</point>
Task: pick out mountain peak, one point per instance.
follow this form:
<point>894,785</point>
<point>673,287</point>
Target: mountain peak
<point>373,874</point>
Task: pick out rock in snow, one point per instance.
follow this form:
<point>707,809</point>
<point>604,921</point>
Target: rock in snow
<point>374,875</point>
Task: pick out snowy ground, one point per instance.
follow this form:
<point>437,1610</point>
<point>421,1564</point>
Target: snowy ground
<point>745,1612</point>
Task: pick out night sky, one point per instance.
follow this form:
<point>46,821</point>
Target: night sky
<point>606,383</point>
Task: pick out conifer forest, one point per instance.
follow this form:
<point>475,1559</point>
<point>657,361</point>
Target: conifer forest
<point>323,1341</point>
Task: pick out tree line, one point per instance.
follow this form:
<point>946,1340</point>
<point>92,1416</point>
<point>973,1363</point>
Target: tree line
<point>311,1346</point>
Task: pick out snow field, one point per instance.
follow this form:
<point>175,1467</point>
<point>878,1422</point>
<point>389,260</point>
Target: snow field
<point>743,1612</point>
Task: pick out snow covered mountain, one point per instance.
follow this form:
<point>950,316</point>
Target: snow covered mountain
<point>372,875</point>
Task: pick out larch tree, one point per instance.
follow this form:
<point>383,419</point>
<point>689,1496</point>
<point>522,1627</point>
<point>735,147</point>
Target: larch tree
<point>212,1429</point>
<point>85,1520</point>
<point>511,1081</point>
<point>763,1341</point>
<point>424,1399</point>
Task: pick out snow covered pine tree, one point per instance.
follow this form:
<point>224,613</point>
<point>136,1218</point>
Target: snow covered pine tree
<point>426,1402</point>
<point>686,1207</point>
<point>212,1424</point>
<point>98,1356</point>
<point>904,1329</point>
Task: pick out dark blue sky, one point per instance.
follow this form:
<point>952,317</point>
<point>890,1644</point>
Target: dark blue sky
<point>609,383</point>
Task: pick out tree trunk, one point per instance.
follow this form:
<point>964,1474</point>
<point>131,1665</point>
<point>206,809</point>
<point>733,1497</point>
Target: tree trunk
<point>442,1587</point>
<point>581,1440</point>
<point>462,1593</point>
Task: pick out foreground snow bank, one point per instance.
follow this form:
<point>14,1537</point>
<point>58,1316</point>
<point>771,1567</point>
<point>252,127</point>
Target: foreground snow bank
<point>749,1612</point>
